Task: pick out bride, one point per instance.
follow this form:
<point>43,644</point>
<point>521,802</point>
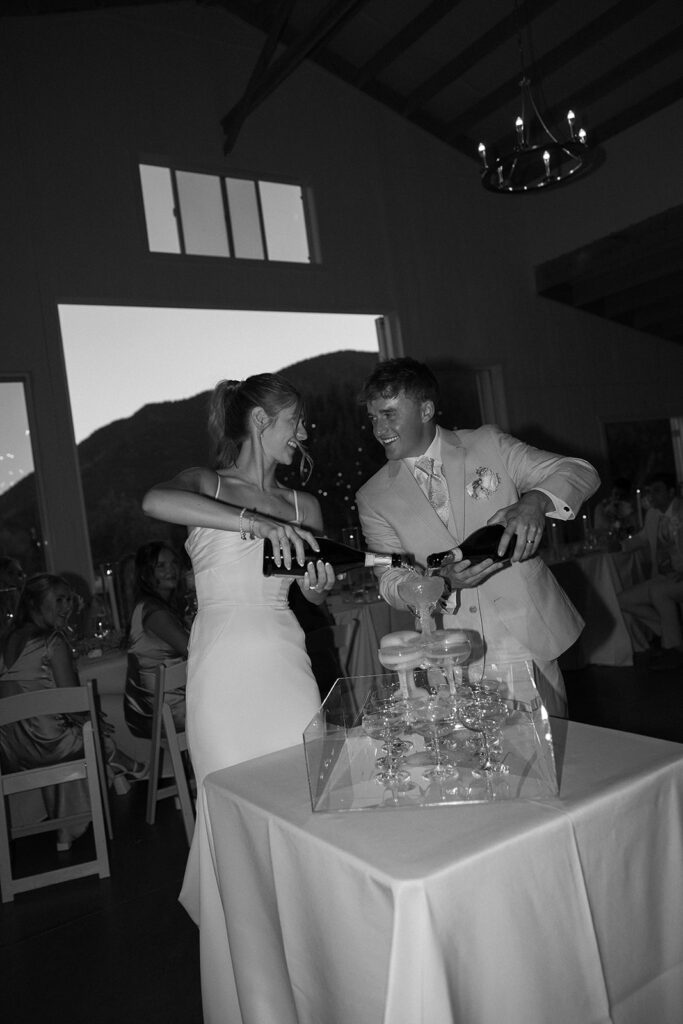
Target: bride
<point>250,686</point>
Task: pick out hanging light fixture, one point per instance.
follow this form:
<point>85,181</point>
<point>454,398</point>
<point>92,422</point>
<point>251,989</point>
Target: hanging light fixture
<point>538,159</point>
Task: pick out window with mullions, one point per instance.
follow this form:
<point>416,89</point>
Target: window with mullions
<point>208,215</point>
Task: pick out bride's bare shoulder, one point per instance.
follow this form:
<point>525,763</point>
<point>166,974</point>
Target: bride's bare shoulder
<point>199,479</point>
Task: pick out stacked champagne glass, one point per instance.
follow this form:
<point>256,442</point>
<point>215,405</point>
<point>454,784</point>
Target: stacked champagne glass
<point>458,721</point>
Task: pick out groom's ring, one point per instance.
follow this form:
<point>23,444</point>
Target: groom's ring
<point>530,542</point>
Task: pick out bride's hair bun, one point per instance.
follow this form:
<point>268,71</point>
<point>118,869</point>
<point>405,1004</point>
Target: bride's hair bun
<point>230,406</point>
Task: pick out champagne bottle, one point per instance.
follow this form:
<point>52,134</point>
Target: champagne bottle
<point>340,556</point>
<point>480,545</point>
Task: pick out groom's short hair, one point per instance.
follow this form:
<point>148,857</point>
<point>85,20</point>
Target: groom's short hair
<point>393,376</point>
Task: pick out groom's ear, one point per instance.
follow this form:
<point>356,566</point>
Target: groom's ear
<point>427,411</point>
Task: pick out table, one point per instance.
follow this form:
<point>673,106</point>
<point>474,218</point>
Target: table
<point>375,619</point>
<point>593,582</point>
<point>565,910</point>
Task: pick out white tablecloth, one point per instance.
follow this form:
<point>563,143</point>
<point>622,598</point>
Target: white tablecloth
<point>565,911</point>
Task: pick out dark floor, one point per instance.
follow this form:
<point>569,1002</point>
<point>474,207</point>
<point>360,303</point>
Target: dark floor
<point>122,950</point>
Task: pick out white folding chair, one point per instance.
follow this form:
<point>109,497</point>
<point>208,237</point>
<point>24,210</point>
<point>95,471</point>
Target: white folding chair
<point>166,738</point>
<point>88,766</point>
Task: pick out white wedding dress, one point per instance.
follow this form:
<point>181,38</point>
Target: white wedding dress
<point>250,688</point>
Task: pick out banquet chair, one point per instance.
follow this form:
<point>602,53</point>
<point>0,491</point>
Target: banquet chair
<point>89,766</point>
<point>167,739</point>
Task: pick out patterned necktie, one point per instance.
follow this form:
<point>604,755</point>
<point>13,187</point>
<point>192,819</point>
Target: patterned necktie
<point>433,486</point>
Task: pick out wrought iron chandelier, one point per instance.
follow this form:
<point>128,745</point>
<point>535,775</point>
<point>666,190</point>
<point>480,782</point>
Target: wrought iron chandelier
<point>538,158</point>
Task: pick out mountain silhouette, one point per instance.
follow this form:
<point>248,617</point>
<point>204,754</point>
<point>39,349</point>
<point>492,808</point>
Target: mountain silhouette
<point>121,461</point>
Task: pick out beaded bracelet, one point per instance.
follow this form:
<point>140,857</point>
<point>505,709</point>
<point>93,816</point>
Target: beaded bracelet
<point>242,531</point>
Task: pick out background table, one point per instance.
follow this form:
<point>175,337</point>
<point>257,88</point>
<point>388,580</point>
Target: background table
<point>375,619</point>
<point>566,910</point>
<point>593,582</point>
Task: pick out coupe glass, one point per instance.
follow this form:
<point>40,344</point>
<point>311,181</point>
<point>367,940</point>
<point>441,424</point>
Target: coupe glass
<point>386,722</point>
<point>486,717</point>
<point>421,594</point>
<point>402,657</point>
<point>444,649</point>
<point>434,719</point>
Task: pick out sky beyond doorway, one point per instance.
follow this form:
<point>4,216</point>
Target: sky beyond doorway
<point>119,358</point>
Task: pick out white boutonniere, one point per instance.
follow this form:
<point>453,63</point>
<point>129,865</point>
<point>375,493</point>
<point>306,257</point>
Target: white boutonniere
<point>484,484</point>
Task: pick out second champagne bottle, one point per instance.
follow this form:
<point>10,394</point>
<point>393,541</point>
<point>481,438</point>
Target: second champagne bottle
<point>341,557</point>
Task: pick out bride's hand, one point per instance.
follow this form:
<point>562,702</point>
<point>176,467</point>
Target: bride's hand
<point>287,540</point>
<point>318,581</point>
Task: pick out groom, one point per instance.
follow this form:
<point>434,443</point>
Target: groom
<point>471,478</point>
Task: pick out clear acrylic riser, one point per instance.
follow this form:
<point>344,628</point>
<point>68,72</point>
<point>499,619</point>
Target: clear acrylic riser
<point>341,759</point>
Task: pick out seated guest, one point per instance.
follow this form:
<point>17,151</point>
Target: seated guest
<point>655,604</point>
<point>35,655</point>
<point>157,634</point>
<point>616,514</point>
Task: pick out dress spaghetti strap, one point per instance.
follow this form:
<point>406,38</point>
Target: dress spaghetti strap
<point>218,486</point>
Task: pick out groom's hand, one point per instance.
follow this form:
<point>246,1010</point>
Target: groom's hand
<point>524,520</point>
<point>461,574</point>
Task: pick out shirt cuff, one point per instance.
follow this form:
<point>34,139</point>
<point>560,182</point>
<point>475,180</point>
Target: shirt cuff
<point>561,509</point>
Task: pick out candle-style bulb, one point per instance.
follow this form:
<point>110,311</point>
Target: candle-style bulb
<point>582,135</point>
<point>546,162</point>
<point>571,117</point>
<point>482,153</point>
<point>519,128</point>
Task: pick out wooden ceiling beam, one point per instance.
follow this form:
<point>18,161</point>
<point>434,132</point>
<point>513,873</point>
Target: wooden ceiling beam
<point>624,303</point>
<point>384,94</point>
<point>499,33</point>
<point>586,38</point>
<point>658,100</point>
<point>581,99</point>
<point>667,317</point>
<point>410,34</point>
<point>233,122</point>
<point>262,85</point>
<point>601,284</point>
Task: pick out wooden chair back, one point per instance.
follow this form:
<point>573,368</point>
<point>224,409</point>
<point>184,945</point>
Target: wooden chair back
<point>89,766</point>
<point>166,738</point>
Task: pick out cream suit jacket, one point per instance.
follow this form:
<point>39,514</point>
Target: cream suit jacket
<point>524,599</point>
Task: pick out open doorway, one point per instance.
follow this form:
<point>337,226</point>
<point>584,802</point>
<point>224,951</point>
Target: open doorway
<point>139,379</point>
